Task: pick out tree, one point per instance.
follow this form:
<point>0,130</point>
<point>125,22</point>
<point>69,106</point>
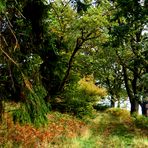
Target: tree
<point>39,45</point>
<point>108,72</point>
<point>74,33</point>
<point>20,60</point>
<point>130,18</point>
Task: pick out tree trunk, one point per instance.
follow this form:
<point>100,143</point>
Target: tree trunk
<point>133,101</point>
<point>144,107</point>
<point>134,106</point>
<point>1,110</point>
<point>68,70</point>
<point>78,45</point>
<point>112,102</point>
<point>118,105</point>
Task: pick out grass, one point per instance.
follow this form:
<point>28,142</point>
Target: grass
<point>113,128</point>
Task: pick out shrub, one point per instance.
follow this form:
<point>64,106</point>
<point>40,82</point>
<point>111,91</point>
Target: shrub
<point>101,107</point>
<point>79,107</point>
<point>118,112</point>
<point>75,101</point>
<point>88,86</point>
<point>140,121</point>
<point>78,98</point>
<point>121,115</point>
<point>33,109</point>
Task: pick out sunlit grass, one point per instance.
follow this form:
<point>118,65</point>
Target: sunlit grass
<point>113,128</point>
<point>140,142</point>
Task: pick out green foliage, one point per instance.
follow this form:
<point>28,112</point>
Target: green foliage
<point>101,107</point>
<point>79,98</point>
<point>33,109</point>
<point>118,112</point>
<point>80,108</point>
<point>21,115</point>
<point>2,6</point>
<point>77,102</point>
<point>145,79</point>
<point>141,121</point>
<point>126,38</point>
<point>87,85</point>
<point>45,46</point>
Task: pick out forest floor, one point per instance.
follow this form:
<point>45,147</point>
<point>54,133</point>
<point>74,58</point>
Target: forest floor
<point>105,130</point>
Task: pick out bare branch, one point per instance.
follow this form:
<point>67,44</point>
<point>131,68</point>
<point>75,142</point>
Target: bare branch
<point>10,58</point>
<point>20,13</point>
<point>8,20</point>
<point>5,40</point>
<point>16,41</point>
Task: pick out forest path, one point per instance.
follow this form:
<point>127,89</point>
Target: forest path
<point>107,129</point>
<point>117,130</point>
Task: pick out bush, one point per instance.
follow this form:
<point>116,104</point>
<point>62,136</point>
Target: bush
<point>140,121</point>
<point>101,107</point>
<point>78,98</point>
<point>87,85</point>
<point>79,107</point>
<point>118,112</point>
<point>75,101</point>
<point>33,109</point>
<point>121,115</point>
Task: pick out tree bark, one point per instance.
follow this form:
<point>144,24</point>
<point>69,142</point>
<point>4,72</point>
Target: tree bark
<point>133,100</point>
<point>134,106</point>
<point>112,101</point>
<point>144,107</point>
<point>118,105</point>
<point>1,109</point>
<point>77,47</point>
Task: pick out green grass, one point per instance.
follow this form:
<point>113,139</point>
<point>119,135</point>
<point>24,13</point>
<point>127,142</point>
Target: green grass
<point>113,128</point>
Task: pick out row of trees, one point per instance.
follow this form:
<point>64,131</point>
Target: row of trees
<point>125,59</point>
<point>46,48</point>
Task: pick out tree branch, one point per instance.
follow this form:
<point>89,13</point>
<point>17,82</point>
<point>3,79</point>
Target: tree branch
<point>77,47</point>
<point>10,58</point>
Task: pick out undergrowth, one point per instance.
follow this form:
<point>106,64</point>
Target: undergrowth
<point>113,128</point>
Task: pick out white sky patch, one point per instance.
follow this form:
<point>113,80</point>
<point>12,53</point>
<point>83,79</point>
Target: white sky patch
<point>145,30</point>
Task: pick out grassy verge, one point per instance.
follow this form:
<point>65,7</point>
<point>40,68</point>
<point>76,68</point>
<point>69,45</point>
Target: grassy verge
<point>113,128</point>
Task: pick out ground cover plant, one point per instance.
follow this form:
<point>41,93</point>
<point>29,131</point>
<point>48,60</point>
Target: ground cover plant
<point>110,128</point>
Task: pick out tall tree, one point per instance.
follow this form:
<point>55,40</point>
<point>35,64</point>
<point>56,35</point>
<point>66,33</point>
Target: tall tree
<point>108,72</point>
<point>75,31</point>
<point>20,60</point>
<point>130,18</point>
